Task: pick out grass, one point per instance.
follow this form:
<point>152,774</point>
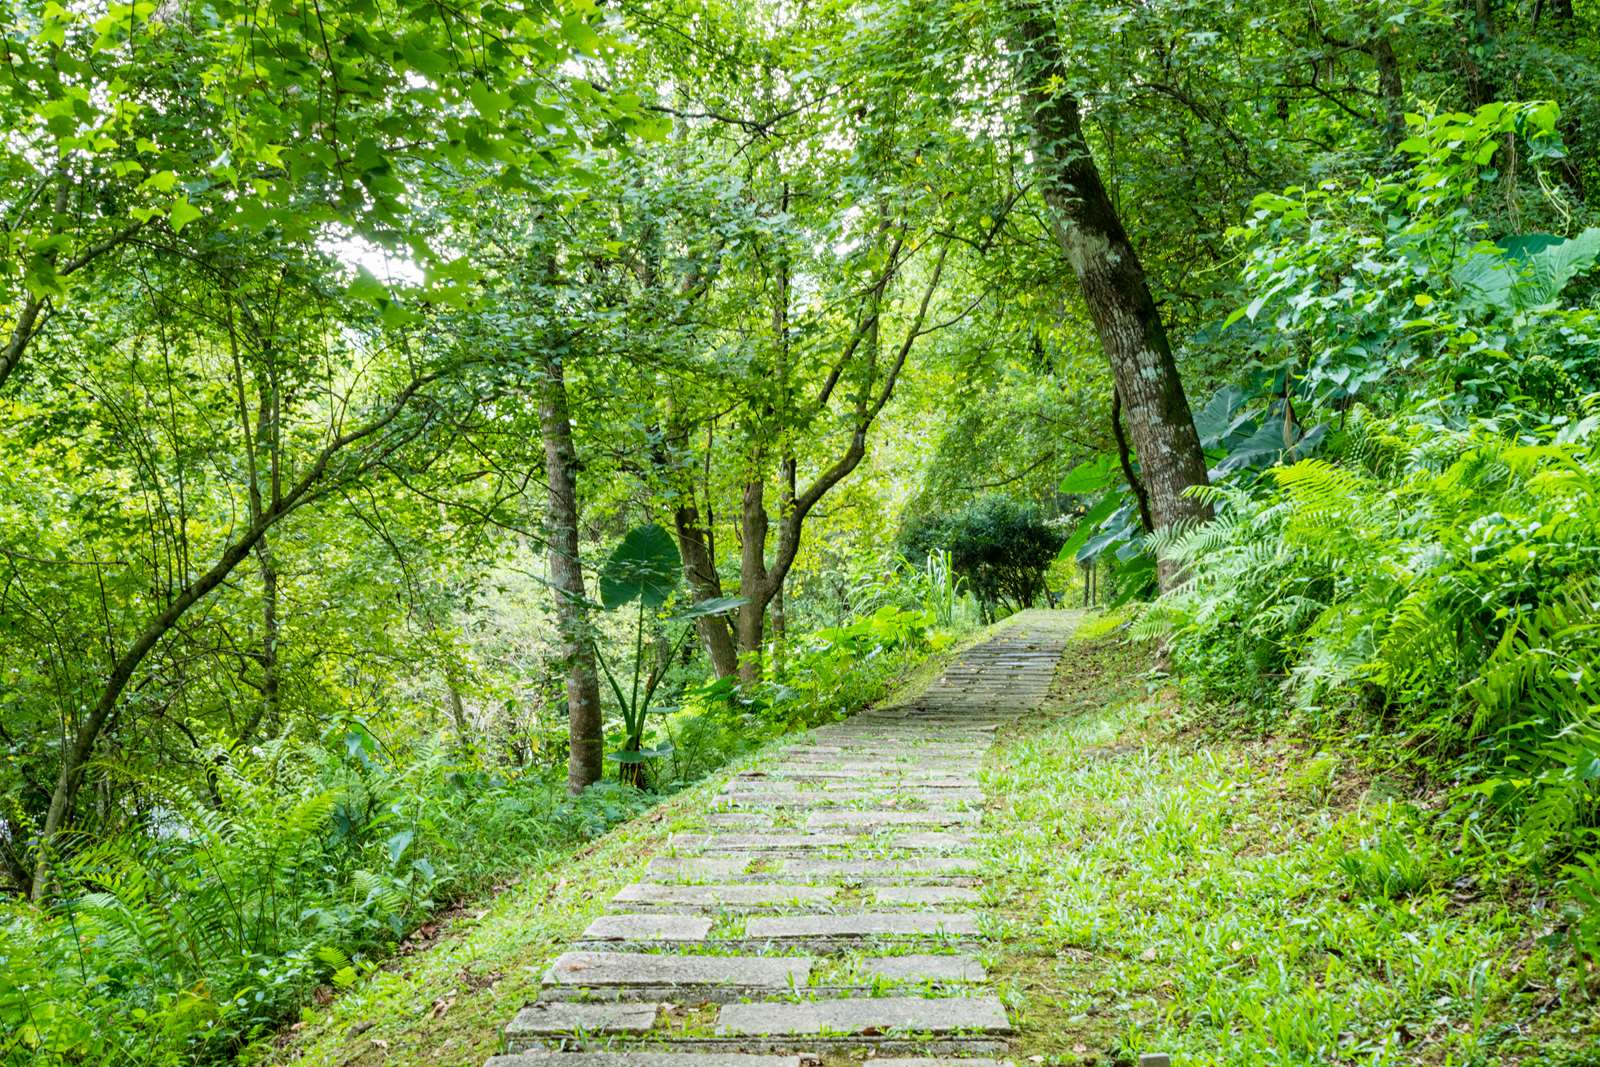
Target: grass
<point>1236,902</point>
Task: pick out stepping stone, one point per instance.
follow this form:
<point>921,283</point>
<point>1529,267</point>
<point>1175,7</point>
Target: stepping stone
<point>713,895</point>
<point>646,1059</point>
<point>923,969</point>
<point>927,894</point>
<point>937,865</point>
<point>863,924</point>
<point>822,820</point>
<point>934,841</point>
<point>726,842</point>
<point>571,1017</point>
<point>600,969</point>
<point>738,818</point>
<point>696,867</point>
<point>648,928</point>
<point>937,1061</point>
<point>869,1017</point>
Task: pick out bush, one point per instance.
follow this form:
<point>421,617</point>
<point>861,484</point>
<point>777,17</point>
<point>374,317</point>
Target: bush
<point>1442,584</point>
<point>999,547</point>
<point>178,942</point>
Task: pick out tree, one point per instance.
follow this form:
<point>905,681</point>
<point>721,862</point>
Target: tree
<point>1112,281</point>
<point>586,755</point>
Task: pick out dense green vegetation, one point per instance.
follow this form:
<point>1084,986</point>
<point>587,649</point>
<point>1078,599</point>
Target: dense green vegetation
<point>430,436</point>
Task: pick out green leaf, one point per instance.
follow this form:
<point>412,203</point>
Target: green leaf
<point>181,214</point>
<point>367,287</point>
<point>1090,476</point>
<point>1086,525</point>
<point>1216,420</point>
<point>718,605</point>
<point>644,566</point>
<point>162,181</point>
<point>398,843</point>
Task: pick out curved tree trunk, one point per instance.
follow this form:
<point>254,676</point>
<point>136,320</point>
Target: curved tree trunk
<point>700,569</point>
<point>1113,282</point>
<point>587,742</point>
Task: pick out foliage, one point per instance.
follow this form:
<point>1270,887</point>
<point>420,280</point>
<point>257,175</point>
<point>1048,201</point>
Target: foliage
<point>1000,548</point>
<point>646,567</point>
<point>1431,574</point>
<point>301,868</point>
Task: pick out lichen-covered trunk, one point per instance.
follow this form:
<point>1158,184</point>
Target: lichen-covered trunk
<point>587,743</point>
<point>1115,289</point>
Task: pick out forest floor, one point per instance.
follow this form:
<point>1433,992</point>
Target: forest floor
<point>1147,887</point>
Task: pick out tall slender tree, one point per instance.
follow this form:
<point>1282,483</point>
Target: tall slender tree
<point>586,751</point>
<point>1112,279</point>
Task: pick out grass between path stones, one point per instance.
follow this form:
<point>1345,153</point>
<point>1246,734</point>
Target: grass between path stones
<point>1162,891</point>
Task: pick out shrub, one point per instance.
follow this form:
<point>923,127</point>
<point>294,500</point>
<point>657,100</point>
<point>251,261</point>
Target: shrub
<point>999,547</point>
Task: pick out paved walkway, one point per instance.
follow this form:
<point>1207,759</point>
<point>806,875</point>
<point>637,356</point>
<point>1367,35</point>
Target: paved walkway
<point>829,905</point>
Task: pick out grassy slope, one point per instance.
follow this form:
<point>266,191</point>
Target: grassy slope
<point>1165,891</point>
<point>444,1006</point>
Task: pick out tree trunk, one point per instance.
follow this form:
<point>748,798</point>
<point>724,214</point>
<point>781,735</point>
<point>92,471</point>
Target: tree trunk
<point>587,741</point>
<point>267,658</point>
<point>1480,40</point>
<point>754,586</point>
<point>700,569</point>
<point>1113,283</point>
<point>1391,88</point>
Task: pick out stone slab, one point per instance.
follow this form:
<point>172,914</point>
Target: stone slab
<point>934,865</point>
<point>848,819</point>
<point>727,842</point>
<point>643,1059</point>
<point>927,894</point>
<point>648,928</point>
<point>713,895</point>
<point>923,968</point>
<point>933,841</point>
<point>570,1017</point>
<point>696,867</point>
<point>610,969</point>
<point>862,924</point>
<point>856,778</point>
<point>738,819</point>
<point>874,1016</point>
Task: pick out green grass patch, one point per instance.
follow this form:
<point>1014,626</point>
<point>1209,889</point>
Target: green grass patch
<point>1236,902</point>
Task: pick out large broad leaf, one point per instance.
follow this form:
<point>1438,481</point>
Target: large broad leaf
<point>1086,525</point>
<point>1120,527</point>
<point>644,566</point>
<point>1527,270</point>
<point>1214,421</point>
<point>1262,447</point>
<point>643,755</point>
<point>717,605</point>
<point>1135,579</point>
<point>1090,476</point>
<point>1556,265</point>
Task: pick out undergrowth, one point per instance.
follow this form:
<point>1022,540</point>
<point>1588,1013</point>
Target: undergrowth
<point>216,918</point>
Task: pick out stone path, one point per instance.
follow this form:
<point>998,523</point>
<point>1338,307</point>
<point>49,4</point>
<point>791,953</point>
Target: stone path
<point>828,906</point>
